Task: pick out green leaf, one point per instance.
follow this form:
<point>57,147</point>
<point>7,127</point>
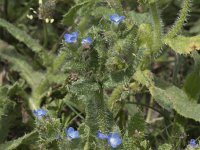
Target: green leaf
<point>161,97</point>
<point>144,35</point>
<point>184,45</point>
<point>59,61</point>
<point>136,123</point>
<point>21,35</point>
<point>192,81</point>
<point>113,101</point>
<point>170,97</point>
<point>6,108</point>
<point>165,147</point>
<point>68,18</point>
<point>176,28</point>
<point>140,18</point>
<point>129,143</point>
<point>102,11</point>
<point>192,85</point>
<point>144,77</point>
<point>20,64</point>
<point>11,145</point>
<point>182,104</point>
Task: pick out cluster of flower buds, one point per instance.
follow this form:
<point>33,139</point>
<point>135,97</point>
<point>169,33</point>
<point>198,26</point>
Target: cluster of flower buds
<point>45,11</point>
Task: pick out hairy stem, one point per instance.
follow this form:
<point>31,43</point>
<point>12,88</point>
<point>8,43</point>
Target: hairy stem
<point>157,42</point>
<point>180,21</point>
<point>102,112</point>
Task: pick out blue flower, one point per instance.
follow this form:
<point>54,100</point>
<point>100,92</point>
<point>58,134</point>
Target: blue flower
<point>39,113</point>
<point>193,143</point>
<point>87,41</point>
<point>71,38</point>
<point>101,135</point>
<point>116,19</point>
<point>71,133</point>
<point>114,140</point>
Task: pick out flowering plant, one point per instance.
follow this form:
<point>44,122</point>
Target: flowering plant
<point>102,75</point>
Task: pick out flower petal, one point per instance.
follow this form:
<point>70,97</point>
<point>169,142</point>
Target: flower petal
<point>100,135</point>
<point>71,133</point>
<point>87,40</point>
<point>71,38</point>
<point>75,34</point>
<point>116,19</point>
<point>193,143</point>
<point>39,113</point>
<point>114,140</point>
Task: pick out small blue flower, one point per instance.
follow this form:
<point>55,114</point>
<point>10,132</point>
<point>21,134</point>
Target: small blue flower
<point>71,133</point>
<point>71,38</point>
<point>116,19</point>
<point>114,140</point>
<point>101,135</point>
<point>193,143</point>
<point>87,41</point>
<point>39,113</point>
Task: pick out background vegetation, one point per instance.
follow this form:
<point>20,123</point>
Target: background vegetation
<point>140,78</point>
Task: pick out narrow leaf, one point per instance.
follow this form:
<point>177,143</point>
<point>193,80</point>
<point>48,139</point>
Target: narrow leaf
<point>11,145</point>
<point>20,64</point>
<point>21,35</point>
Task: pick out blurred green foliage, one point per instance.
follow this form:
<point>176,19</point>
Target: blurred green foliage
<point>140,78</point>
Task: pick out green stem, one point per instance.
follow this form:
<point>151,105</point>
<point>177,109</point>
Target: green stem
<point>32,105</point>
<point>180,21</point>
<point>5,7</point>
<point>102,113</point>
<point>175,70</point>
<point>76,112</point>
<point>150,111</point>
<point>157,42</point>
<point>145,105</point>
<point>45,31</point>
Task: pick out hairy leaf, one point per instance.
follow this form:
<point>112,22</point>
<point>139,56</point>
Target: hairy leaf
<point>6,107</point>
<point>162,98</point>
<point>136,123</point>
<point>20,64</point>
<point>21,35</point>
<point>165,147</point>
<point>170,97</point>
<point>140,18</point>
<point>11,145</point>
<point>184,45</point>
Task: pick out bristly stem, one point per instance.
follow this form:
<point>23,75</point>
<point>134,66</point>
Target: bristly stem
<point>157,43</point>
<point>180,21</point>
